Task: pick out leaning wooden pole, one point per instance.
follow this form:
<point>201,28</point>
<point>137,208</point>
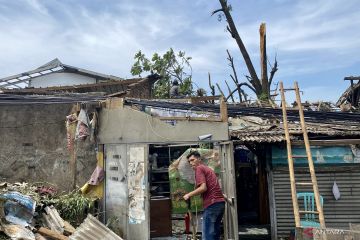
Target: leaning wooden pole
<point>310,160</point>
<point>290,159</point>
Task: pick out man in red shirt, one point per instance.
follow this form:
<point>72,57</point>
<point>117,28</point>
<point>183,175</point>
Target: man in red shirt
<point>208,186</point>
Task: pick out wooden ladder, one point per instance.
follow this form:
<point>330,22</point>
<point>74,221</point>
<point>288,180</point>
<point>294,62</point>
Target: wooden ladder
<point>293,183</point>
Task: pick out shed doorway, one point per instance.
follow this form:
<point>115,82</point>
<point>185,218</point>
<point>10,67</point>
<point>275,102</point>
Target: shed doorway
<point>168,212</point>
<point>252,192</point>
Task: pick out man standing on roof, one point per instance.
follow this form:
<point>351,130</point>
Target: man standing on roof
<point>208,186</point>
<point>175,90</point>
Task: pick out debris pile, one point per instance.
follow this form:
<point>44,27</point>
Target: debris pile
<point>31,212</point>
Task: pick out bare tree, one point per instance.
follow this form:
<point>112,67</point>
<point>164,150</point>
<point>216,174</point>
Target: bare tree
<point>261,87</point>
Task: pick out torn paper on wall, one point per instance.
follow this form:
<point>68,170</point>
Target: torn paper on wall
<point>136,185</point>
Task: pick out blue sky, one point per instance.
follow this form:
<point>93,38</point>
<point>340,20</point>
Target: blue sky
<point>317,42</point>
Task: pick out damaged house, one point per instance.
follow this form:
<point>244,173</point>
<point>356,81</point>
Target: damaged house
<point>140,145</point>
<point>32,119</point>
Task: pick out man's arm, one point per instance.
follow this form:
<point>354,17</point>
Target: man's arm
<point>201,189</point>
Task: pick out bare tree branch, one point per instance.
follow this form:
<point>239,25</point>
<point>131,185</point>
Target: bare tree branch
<point>212,87</point>
<point>231,25</point>
<point>231,94</point>
<point>244,94</point>
<point>221,92</point>
<point>216,11</point>
<point>236,83</point>
<point>234,78</point>
<point>239,87</point>
<point>248,78</point>
<point>272,72</point>
<point>229,30</point>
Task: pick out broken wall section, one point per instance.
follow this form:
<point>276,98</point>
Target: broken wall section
<point>33,146</point>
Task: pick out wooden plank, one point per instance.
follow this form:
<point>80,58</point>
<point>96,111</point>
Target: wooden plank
<point>117,94</point>
<point>290,160</point>
<point>68,228</point>
<point>223,110</point>
<point>51,234</point>
<point>310,160</point>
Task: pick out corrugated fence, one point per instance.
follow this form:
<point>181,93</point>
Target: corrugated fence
<point>338,213</point>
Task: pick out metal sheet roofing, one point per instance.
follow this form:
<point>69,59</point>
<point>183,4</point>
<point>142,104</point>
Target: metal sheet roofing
<point>93,229</point>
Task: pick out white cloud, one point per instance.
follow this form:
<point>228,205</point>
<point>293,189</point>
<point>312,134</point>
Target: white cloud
<point>309,37</point>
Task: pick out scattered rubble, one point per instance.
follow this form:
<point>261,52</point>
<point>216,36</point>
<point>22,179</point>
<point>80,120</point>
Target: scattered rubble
<point>30,212</point>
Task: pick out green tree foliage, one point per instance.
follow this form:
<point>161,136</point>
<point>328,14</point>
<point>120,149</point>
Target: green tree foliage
<point>171,66</point>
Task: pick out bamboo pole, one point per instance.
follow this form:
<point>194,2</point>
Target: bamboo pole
<point>310,160</point>
<point>290,159</point>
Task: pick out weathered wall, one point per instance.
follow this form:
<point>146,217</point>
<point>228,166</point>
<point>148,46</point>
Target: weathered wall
<point>33,146</point>
<point>126,125</point>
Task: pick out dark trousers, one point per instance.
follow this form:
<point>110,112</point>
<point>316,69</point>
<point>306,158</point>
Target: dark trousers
<point>212,220</point>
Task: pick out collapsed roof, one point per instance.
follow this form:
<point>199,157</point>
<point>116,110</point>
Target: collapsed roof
<point>264,125</point>
<point>109,85</point>
<point>54,66</point>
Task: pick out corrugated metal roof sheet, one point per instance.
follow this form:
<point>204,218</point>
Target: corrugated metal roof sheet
<point>93,229</point>
<point>257,136</point>
<point>275,132</point>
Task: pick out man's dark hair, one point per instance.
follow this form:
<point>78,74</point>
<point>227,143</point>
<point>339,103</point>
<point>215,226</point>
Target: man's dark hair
<point>193,153</point>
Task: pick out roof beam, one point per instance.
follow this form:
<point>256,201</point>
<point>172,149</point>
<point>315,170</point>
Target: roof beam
<point>8,83</point>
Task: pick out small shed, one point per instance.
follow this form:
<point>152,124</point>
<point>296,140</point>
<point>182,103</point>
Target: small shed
<point>127,134</point>
<point>334,140</point>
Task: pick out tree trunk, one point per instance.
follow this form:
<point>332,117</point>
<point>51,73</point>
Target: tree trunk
<point>234,33</point>
<point>263,61</point>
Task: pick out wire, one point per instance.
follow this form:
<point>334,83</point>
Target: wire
<point>153,130</point>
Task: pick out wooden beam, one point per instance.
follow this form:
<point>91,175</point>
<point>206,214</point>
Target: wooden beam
<point>51,234</point>
<point>223,110</point>
<point>117,94</point>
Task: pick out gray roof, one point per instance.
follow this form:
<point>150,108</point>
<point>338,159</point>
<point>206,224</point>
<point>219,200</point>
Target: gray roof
<point>51,67</point>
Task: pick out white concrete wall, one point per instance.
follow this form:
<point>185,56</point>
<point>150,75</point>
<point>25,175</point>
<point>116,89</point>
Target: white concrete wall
<point>126,125</point>
<point>60,79</point>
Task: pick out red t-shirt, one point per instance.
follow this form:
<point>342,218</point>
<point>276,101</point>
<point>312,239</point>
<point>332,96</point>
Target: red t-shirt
<point>213,194</point>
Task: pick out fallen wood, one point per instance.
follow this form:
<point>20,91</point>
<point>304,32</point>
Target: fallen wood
<point>68,228</point>
<point>51,234</point>
<point>39,237</point>
<point>17,232</point>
